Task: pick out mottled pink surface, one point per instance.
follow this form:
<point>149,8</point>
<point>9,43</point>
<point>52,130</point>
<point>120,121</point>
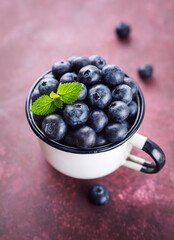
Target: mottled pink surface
<point>39,203</point>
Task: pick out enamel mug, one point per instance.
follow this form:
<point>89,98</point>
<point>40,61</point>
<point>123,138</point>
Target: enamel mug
<point>100,161</point>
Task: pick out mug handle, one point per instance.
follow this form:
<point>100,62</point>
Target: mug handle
<point>151,149</point>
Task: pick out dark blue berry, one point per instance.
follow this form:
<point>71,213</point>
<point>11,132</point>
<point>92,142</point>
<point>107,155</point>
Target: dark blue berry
<point>132,84</point>
<point>38,119</point>
<point>71,59</point>
<point>35,95</point>
<point>97,61</point>
<point>89,75</point>
<point>112,75</point>
<point>68,78</point>
<point>48,75</point>
<point>69,139</point>
<point>98,195</point>
<point>54,127</point>
<point>115,132</point>
<point>145,71</point>
<point>61,67</point>
<point>84,137</point>
<point>48,85</point>
<point>118,111</point>
<point>126,123</point>
<point>99,96</point>
<point>83,93</point>
<point>80,62</point>
<point>76,113</point>
<point>133,108</point>
<point>122,30</point>
<point>97,120</point>
<point>100,140</point>
<point>123,93</point>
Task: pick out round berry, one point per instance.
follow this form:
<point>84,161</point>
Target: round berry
<point>100,140</point>
<point>132,84</point>
<point>115,132</point>
<point>68,78</point>
<point>112,75</point>
<point>76,113</point>
<point>98,195</point>
<point>35,95</point>
<point>145,71</point>
<point>122,30</point>
<point>48,85</point>
<point>118,111</point>
<point>61,67</point>
<point>89,75</point>
<point>123,93</point>
<point>71,59</point>
<point>133,108</point>
<point>99,96</point>
<point>83,93</point>
<point>97,61</point>
<point>54,127</point>
<point>97,120</point>
<point>126,123</point>
<point>84,137</point>
<point>80,62</point>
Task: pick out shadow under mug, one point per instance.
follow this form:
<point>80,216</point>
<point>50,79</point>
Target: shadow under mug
<point>100,161</point>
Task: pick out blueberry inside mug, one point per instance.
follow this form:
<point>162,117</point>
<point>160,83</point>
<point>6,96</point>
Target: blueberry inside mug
<point>100,161</point>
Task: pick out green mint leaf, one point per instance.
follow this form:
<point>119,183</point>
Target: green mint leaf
<point>69,92</point>
<point>53,95</point>
<point>44,105</point>
<point>58,102</point>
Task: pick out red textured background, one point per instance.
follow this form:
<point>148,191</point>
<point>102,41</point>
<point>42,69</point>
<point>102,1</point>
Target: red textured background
<point>39,203</point>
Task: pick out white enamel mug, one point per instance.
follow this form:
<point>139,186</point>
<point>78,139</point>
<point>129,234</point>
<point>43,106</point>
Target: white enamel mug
<point>100,161</point>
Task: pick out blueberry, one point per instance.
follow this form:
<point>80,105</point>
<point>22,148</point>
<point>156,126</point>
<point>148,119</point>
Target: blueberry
<point>54,127</point>
<point>83,93</point>
<point>76,113</point>
<point>132,84</point>
<point>38,119</point>
<point>48,75</point>
<point>126,123</point>
<point>112,75</point>
<point>35,95</point>
<point>89,75</point>
<point>133,108</point>
<point>98,120</point>
<point>100,140</point>
<point>123,93</point>
<point>47,85</point>
<point>118,111</point>
<point>122,30</point>
<point>145,71</point>
<point>84,137</point>
<point>80,62</point>
<point>98,195</point>
<point>71,59</point>
<point>99,96</point>
<point>97,61</point>
<point>69,139</point>
<point>61,67</point>
<point>115,132</point>
<point>68,78</point>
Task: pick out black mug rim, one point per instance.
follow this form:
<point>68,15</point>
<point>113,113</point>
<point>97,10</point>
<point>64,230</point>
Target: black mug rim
<point>107,147</point>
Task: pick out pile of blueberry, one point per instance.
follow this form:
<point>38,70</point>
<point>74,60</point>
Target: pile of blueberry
<point>104,111</point>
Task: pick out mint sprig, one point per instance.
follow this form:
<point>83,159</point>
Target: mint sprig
<point>66,92</point>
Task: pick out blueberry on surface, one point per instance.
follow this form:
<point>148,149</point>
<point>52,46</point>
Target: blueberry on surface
<point>68,78</point>
<point>145,71</point>
<point>61,67</point>
<point>97,61</point>
<point>99,96</point>
<point>35,95</point>
<point>133,108</point>
<point>118,111</point>
<point>84,137</point>
<point>132,84</point>
<point>98,195</point>
<point>89,75</point>
<point>54,127</point>
<point>123,93</point>
<point>83,93</point>
<point>100,140</point>
<point>76,113</point>
<point>97,120</point>
<point>115,132</point>
<point>80,62</point>
<point>122,30</point>
<point>47,85</point>
<point>112,75</point>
